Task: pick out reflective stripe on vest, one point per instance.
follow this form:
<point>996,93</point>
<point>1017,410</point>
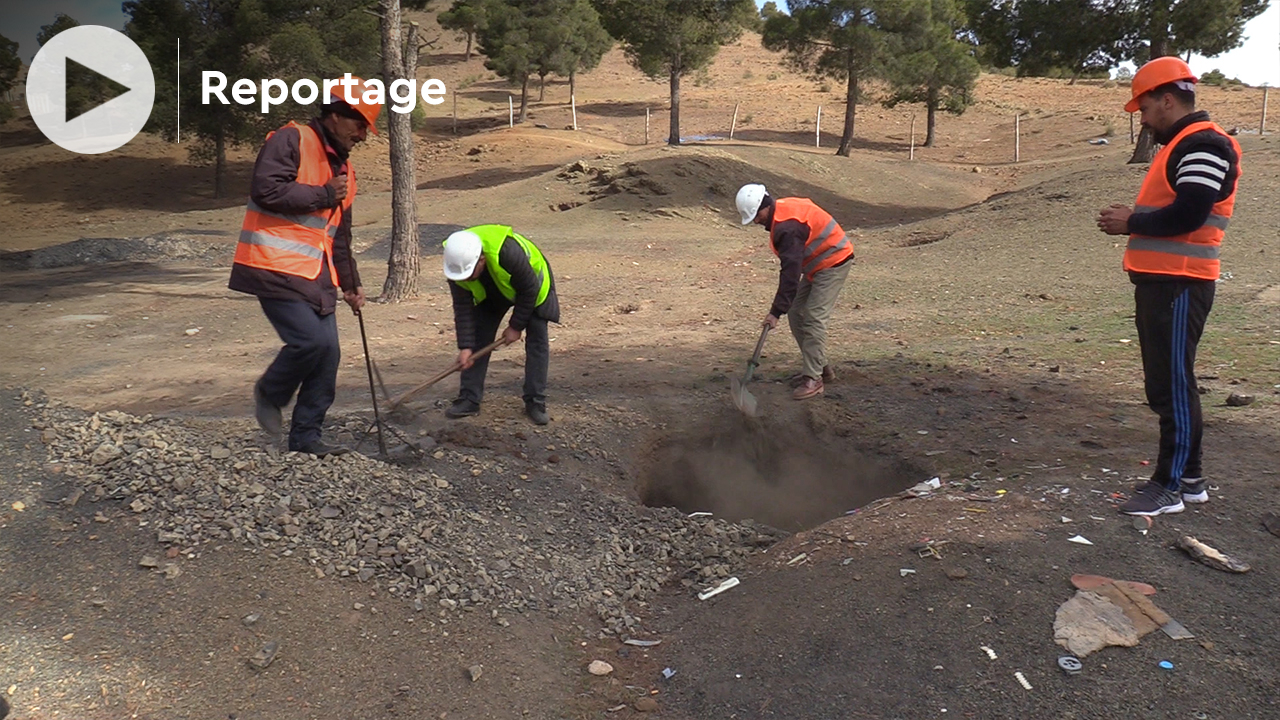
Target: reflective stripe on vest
<point>827,244</point>
<point>1194,254</point>
<point>492,238</point>
<point>296,244</point>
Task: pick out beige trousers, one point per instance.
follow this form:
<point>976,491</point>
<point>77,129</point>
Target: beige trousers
<point>810,312</point>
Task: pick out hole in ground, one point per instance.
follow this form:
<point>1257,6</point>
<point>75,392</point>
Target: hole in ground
<point>787,474</point>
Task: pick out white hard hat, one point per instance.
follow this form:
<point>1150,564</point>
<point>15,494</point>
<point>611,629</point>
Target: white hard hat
<point>749,199</point>
<point>461,253</point>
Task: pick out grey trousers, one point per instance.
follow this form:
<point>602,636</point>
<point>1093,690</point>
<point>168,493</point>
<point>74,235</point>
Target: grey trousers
<point>810,312</point>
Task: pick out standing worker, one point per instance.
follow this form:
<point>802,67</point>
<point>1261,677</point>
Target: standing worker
<point>816,257</point>
<point>1175,231</point>
<point>294,253</point>
<point>491,269</point>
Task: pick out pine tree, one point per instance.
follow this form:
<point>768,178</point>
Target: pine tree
<point>928,64</point>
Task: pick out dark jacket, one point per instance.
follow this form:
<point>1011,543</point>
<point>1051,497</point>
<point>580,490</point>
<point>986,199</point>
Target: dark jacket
<point>275,187</point>
<point>524,281</point>
<point>1202,169</point>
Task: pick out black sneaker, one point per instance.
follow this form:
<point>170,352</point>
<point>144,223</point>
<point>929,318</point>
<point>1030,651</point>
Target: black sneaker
<point>537,412</point>
<point>461,408</point>
<point>1153,500</point>
<point>1195,491</point>
<point>320,449</point>
<point>268,415</point>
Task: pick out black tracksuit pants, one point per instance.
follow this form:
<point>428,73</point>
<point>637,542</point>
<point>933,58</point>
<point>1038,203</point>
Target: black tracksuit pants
<point>1170,317</point>
<point>307,365</point>
<point>537,354</point>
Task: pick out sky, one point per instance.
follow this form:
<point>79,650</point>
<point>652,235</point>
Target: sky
<point>1256,62</point>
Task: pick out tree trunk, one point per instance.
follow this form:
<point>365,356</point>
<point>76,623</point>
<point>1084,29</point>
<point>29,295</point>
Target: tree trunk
<point>524,100</point>
<point>398,62</point>
<point>850,114</point>
<point>932,117</point>
<point>219,164</point>
<point>673,138</point>
<point>470,37</point>
<point>1144,151</point>
<point>542,87</point>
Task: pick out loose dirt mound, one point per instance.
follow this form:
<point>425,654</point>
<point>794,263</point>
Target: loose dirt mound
<point>782,473</point>
<point>185,246</point>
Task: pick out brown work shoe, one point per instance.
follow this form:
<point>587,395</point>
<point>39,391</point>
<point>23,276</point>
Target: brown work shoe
<point>828,375</point>
<point>811,387</point>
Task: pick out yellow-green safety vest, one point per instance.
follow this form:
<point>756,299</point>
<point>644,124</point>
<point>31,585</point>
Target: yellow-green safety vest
<point>491,239</point>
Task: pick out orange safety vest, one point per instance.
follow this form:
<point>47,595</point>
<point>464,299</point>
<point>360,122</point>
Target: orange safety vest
<point>1194,254</point>
<point>827,245</point>
<point>296,244</point>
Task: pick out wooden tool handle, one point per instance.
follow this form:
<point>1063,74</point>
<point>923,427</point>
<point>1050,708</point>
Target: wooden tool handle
<point>1144,604</point>
<point>453,369</point>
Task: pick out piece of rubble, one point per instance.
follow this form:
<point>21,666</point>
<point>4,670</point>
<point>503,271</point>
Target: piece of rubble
<point>1211,556</point>
<point>599,667</point>
<point>1089,622</point>
<point>265,656</point>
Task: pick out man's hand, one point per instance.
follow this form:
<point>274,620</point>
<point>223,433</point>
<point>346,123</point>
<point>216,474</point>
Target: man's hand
<point>338,186</point>
<point>510,335</point>
<point>355,299</point>
<point>771,320</point>
<point>464,359</point>
<point>1115,220</point>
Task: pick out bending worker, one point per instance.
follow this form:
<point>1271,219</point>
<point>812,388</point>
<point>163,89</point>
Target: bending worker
<point>1175,232</point>
<point>491,269</point>
<point>294,253</point>
<point>816,257</point>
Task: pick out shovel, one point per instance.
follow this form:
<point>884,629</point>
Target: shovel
<point>444,374</point>
<point>742,398</point>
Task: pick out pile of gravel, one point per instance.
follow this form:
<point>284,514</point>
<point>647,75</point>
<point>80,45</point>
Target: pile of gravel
<point>466,531</point>
<point>185,245</point>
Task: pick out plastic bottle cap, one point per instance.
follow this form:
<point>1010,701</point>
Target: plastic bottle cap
<point>1166,665</point>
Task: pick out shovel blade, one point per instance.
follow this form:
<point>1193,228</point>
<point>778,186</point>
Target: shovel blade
<point>742,398</point>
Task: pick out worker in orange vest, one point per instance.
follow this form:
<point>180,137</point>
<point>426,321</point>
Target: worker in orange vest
<point>815,255</point>
<point>295,252</point>
<point>1175,232</point>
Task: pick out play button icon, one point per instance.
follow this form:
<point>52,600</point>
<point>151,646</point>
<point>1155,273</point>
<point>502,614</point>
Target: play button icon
<point>90,89</point>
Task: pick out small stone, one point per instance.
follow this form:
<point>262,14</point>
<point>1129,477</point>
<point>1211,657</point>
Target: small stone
<point>553,458</point>
<point>442,483</point>
<point>256,489</point>
<point>219,453</point>
<point>291,530</point>
<point>475,671</point>
<point>1239,400</point>
<point>957,573</point>
<point>48,436</point>
<point>329,512</point>
<point>105,453</point>
<point>149,562</point>
<point>251,619</point>
<point>190,332</point>
<point>599,667</point>
<point>265,656</point>
<point>171,571</point>
<point>357,606</point>
<point>645,705</point>
<point>365,575</point>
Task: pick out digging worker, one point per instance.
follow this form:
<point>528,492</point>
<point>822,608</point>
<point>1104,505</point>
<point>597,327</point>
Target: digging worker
<point>491,269</point>
<point>1175,231</point>
<point>294,253</point>
<point>816,257</point>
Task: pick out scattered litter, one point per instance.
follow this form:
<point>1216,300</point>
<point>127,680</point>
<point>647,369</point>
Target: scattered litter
<point>265,656</point>
<point>1271,522</point>
<point>616,708</point>
<point>1089,622</point>
<point>977,510</point>
<point>1079,540</point>
<point>799,558</point>
<point>19,506</point>
<point>1022,680</point>
<point>1166,665</point>
<point>924,488</point>
<point>1100,141</point>
<point>668,673</point>
<point>846,561</point>
<point>929,548</point>
<point>1066,519</point>
<point>1142,523</point>
<point>903,572</point>
<point>990,653</point>
<point>1001,492</point>
<point>1065,491</point>
<point>1070,665</point>
<point>641,643</point>
<point>1210,556</point>
<point>712,592</point>
<point>1095,517</point>
<point>699,514</point>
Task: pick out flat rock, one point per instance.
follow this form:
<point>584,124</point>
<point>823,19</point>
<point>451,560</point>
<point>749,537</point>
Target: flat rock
<point>265,656</point>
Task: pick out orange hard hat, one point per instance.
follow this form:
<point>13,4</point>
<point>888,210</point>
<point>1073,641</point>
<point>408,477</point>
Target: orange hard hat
<point>1161,71</point>
<point>369,111</point>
